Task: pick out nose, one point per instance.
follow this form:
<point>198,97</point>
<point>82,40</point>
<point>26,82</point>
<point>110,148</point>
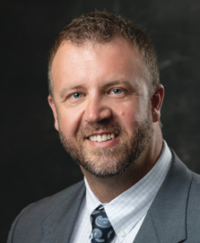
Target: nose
<point>96,111</point>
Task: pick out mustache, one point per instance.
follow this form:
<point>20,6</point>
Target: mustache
<point>107,126</point>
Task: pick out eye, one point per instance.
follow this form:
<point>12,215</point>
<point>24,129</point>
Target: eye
<point>117,91</point>
<point>76,95</point>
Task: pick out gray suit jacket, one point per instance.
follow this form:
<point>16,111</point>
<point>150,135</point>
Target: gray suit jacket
<point>173,217</point>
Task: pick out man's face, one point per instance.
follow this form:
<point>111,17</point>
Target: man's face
<point>101,105</point>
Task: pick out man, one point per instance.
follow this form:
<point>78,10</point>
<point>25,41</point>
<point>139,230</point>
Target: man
<point>106,100</point>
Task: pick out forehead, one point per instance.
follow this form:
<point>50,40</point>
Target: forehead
<point>90,61</point>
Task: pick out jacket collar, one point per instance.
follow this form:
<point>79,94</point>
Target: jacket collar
<point>58,226</point>
<point>166,219</point>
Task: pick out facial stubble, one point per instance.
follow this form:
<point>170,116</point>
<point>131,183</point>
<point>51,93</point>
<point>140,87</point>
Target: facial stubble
<point>111,161</point>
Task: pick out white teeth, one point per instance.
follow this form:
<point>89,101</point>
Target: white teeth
<point>98,138</point>
<point>102,138</point>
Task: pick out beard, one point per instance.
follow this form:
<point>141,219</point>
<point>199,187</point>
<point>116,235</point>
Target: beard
<point>110,161</point>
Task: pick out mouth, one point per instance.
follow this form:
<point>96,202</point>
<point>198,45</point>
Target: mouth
<point>102,137</point>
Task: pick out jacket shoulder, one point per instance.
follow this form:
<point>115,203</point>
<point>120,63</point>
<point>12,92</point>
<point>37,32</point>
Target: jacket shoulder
<point>194,202</point>
<point>46,205</point>
<point>30,221</point>
<point>193,211</point>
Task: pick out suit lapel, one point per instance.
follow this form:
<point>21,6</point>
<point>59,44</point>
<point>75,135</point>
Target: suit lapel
<point>166,219</point>
<point>58,227</point>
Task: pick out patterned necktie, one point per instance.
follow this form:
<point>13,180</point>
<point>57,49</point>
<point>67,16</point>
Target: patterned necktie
<point>102,230</point>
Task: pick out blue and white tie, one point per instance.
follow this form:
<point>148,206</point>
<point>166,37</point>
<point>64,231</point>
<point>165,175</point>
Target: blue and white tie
<point>102,230</point>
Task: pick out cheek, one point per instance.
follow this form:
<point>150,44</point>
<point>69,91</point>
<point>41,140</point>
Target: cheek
<point>127,114</point>
<point>131,114</point>
<point>69,122</point>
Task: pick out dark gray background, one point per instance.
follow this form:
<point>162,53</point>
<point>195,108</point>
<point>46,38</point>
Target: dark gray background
<point>33,163</point>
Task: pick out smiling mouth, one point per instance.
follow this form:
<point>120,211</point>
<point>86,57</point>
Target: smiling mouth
<point>102,138</point>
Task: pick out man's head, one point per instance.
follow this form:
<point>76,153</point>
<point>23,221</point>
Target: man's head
<point>102,27</point>
<point>105,94</point>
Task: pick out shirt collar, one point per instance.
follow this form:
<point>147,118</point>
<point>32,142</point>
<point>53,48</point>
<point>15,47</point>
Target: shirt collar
<point>129,207</point>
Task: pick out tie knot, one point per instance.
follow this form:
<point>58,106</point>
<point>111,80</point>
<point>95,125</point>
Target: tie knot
<point>102,229</point>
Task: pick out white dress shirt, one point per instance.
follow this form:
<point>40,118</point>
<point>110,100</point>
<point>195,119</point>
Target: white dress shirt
<point>127,211</point>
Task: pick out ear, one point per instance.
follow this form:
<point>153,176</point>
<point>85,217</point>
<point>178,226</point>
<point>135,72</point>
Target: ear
<point>156,102</point>
<point>52,105</point>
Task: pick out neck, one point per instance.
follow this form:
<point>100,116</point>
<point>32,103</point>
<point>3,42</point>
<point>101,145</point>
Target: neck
<point>106,189</point>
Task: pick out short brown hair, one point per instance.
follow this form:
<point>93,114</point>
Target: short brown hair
<point>102,27</point>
